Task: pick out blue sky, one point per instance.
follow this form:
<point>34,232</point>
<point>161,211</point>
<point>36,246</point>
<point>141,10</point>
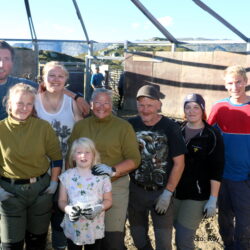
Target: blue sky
<point>119,20</point>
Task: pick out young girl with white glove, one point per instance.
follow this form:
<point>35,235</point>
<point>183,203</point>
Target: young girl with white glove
<point>84,197</point>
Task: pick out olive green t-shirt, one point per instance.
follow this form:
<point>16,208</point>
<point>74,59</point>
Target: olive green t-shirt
<point>26,147</point>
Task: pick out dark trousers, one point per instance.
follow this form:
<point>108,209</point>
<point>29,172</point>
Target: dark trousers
<point>59,240</point>
<point>27,214</point>
<point>234,214</point>
<point>141,203</point>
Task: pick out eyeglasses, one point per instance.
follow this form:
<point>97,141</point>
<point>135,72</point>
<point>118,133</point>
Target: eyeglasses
<point>99,104</point>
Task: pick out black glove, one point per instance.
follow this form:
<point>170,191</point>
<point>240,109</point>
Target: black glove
<point>92,212</point>
<point>74,212</point>
<point>103,169</point>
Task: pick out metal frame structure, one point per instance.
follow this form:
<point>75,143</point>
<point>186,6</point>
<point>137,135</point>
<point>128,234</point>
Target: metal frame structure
<point>171,39</point>
<point>222,20</point>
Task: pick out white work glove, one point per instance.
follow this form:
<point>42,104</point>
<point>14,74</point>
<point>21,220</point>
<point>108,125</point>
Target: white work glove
<point>92,212</point>
<point>163,202</point>
<point>4,195</point>
<point>210,207</point>
<point>102,169</point>
<point>74,212</point>
<point>52,187</point>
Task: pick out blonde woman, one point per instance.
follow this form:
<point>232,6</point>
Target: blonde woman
<point>27,146</point>
<point>61,112</point>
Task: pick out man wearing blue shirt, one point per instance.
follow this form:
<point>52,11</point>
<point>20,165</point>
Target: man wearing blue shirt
<point>97,79</point>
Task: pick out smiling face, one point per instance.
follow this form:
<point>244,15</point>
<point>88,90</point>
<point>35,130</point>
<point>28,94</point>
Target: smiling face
<point>236,85</point>
<point>55,79</point>
<point>102,105</point>
<point>148,110</point>
<point>6,64</point>
<point>193,112</point>
<point>21,105</point>
<point>83,157</point>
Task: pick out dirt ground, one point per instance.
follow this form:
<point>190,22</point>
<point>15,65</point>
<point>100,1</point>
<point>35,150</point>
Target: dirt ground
<point>207,237</point>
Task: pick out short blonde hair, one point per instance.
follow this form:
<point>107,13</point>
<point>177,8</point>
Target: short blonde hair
<point>87,144</point>
<point>236,70</point>
<point>17,88</point>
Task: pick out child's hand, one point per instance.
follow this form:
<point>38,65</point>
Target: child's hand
<point>74,212</point>
<point>92,212</point>
<point>102,169</point>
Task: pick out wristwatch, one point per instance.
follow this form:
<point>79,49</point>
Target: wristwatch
<point>78,94</point>
<point>114,171</point>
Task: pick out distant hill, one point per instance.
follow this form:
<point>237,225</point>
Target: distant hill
<point>73,49</point>
<point>230,47</point>
<point>76,49</point>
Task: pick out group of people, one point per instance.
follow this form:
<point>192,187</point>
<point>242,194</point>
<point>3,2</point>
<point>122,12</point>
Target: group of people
<point>111,170</point>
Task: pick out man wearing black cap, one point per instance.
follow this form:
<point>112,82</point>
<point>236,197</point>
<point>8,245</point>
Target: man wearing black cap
<point>153,183</point>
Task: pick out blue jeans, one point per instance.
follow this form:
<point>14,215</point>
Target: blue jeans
<point>141,203</point>
<point>234,204</point>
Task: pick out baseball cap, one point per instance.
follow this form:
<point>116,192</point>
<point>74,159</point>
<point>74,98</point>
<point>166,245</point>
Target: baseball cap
<point>195,98</point>
<point>148,91</point>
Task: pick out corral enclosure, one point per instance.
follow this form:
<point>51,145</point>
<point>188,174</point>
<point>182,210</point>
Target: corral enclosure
<point>25,66</point>
<point>175,73</point>
<point>178,74</point>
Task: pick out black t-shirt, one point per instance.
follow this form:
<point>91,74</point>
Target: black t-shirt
<point>158,145</point>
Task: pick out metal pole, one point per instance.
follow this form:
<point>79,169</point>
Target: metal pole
<point>86,87</point>
<point>173,47</point>
<point>125,45</point>
<point>81,21</point>
<point>221,19</point>
<point>88,60</point>
<point>248,47</point>
<point>155,22</point>
<point>33,36</point>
